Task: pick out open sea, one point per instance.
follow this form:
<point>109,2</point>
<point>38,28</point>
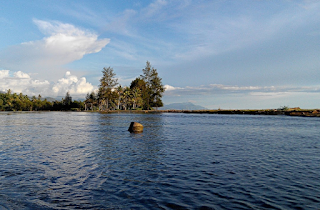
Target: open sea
<point>83,160</point>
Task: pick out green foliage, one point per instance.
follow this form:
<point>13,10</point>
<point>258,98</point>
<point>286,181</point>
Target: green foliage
<point>106,94</point>
<point>154,88</point>
<point>108,79</point>
<point>145,92</point>
<point>67,99</point>
<point>15,102</point>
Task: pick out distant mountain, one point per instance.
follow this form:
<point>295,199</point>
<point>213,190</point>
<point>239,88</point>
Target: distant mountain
<point>182,106</point>
<point>59,98</point>
<point>50,99</point>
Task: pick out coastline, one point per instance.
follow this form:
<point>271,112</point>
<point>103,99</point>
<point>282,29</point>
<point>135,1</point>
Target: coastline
<point>297,113</point>
<point>300,112</point>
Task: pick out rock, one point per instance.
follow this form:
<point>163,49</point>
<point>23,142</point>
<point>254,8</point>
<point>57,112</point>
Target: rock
<point>135,127</point>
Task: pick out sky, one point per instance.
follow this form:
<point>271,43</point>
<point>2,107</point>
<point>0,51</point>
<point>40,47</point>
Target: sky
<point>227,54</point>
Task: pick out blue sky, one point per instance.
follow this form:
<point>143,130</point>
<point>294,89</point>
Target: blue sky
<point>218,54</point>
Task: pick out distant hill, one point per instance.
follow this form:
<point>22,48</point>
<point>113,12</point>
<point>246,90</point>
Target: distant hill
<point>59,98</point>
<point>182,106</point>
<point>50,99</point>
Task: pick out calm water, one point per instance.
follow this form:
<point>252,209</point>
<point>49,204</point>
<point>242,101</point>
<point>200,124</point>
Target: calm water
<point>66,160</point>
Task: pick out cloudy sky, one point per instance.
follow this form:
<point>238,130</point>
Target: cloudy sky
<point>218,54</point>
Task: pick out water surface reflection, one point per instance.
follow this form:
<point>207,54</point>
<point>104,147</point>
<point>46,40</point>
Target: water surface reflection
<point>58,160</point>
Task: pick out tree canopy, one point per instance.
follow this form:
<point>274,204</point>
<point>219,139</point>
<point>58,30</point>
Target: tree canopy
<point>18,102</point>
<point>145,92</point>
<point>154,87</point>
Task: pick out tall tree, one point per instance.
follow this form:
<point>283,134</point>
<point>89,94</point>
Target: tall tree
<point>1,104</point>
<point>126,97</point>
<point>67,99</point>
<point>141,85</point>
<point>119,91</point>
<point>154,88</point>
<point>136,98</point>
<point>107,83</point>
<point>90,101</point>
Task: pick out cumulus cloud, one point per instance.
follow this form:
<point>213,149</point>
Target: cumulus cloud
<point>20,82</point>
<point>4,74</point>
<point>63,44</point>
<point>21,75</point>
<point>70,83</point>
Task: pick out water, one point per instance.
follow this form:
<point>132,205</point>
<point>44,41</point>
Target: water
<point>72,160</point>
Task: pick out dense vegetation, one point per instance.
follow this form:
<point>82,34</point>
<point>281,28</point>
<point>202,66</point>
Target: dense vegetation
<point>145,92</point>
<point>20,102</point>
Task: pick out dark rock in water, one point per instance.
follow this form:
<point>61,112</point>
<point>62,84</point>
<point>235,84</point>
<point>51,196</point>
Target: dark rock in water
<point>135,127</point>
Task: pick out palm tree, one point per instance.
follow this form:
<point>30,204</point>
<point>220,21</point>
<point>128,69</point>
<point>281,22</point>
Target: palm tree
<point>126,97</point>
<point>9,100</point>
<point>119,91</point>
<point>136,97</point>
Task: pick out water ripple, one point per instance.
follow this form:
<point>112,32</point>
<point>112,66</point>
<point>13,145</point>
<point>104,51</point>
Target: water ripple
<point>56,160</point>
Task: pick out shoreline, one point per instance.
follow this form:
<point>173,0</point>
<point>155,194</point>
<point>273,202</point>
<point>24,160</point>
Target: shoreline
<point>297,113</point>
<point>300,112</point>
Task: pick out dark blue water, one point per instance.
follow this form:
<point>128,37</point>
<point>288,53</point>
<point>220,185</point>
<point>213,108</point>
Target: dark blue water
<point>67,160</point>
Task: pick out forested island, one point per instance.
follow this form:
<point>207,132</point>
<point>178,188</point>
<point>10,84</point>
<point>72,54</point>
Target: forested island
<point>144,93</point>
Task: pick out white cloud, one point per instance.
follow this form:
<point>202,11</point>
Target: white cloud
<point>64,44</point>
<point>227,87</point>
<point>170,88</point>
<point>21,75</point>
<point>70,83</point>
<point>4,74</point>
<point>22,82</point>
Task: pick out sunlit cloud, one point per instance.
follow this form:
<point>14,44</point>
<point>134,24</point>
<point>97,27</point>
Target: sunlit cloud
<point>21,75</point>
<point>4,74</point>
<point>171,88</point>
<point>20,82</point>
<point>70,83</point>
<point>64,44</point>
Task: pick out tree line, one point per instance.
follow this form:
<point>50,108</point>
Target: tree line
<point>144,93</point>
<point>18,102</point>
